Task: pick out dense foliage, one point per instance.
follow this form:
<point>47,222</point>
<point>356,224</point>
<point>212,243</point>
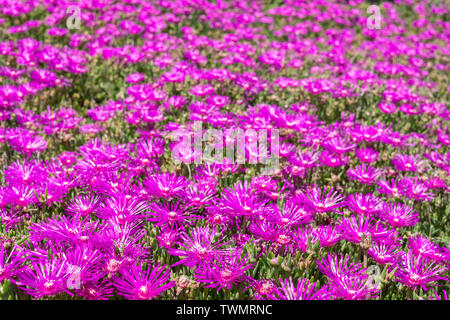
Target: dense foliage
<point>101,199</point>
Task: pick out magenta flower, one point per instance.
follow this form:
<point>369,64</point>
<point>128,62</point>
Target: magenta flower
<point>328,235</point>
<point>366,205</point>
<point>304,290</point>
<point>357,229</point>
<point>421,246</point>
<point>83,205</point>
<point>389,189</point>
<point>292,214</point>
<point>365,174</point>
<point>411,163</point>
<point>399,215</point>
<point>279,237</point>
<point>137,284</point>
<point>170,215</point>
<point>10,264</point>
<point>135,77</point>
<point>414,188</point>
<point>318,201</point>
<point>167,238</point>
<point>384,253</point>
<point>338,145</point>
<point>199,248</point>
<point>96,290</point>
<point>225,271</point>
<point>264,289</point>
<point>367,155</point>
<point>241,201</point>
<point>123,209</point>
<point>199,195</point>
<point>332,160</point>
<point>353,288</point>
<point>11,218</point>
<point>414,271</point>
<point>44,279</point>
<point>339,267</point>
<point>166,185</point>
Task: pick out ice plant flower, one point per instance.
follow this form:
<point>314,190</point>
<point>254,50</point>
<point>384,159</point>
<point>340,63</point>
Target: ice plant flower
<point>415,271</point>
<point>225,271</point>
<point>367,205</point>
<point>10,264</point>
<point>365,174</point>
<point>319,201</point>
<point>304,290</point>
<point>399,215</point>
<point>198,247</point>
<point>44,279</point>
<point>136,284</point>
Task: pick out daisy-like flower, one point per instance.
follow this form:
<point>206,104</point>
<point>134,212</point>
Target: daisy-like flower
<point>225,271</point>
<point>52,192</point>
<point>332,160</point>
<point>11,218</point>
<point>167,238</point>
<point>384,253</point>
<point>356,229</point>
<point>28,144</point>
<point>366,205</point>
<point>199,248</point>
<point>170,214</point>
<point>389,189</point>
<point>328,235</point>
<point>365,174</point>
<point>10,264</point>
<point>264,184</point>
<point>166,185</point>
<point>367,155</point>
<point>99,289</point>
<point>137,284</point>
<point>334,266</point>
<point>199,195</point>
<point>135,77</point>
<point>414,188</point>
<point>72,230</point>
<point>399,215</point>
<point>21,196</point>
<point>26,173</point>
<point>83,205</point>
<point>421,246</point>
<point>123,209</point>
<point>338,145</point>
<point>411,163</point>
<point>241,201</point>
<point>306,238</point>
<point>304,290</point>
<point>353,288</point>
<point>435,183</point>
<point>305,160</point>
<point>264,289</point>
<point>280,238</point>
<point>44,279</point>
<point>320,202</point>
<point>415,271</point>
<point>292,214</point>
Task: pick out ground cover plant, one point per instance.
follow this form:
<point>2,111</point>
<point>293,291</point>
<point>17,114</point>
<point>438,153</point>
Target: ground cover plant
<point>191,149</point>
